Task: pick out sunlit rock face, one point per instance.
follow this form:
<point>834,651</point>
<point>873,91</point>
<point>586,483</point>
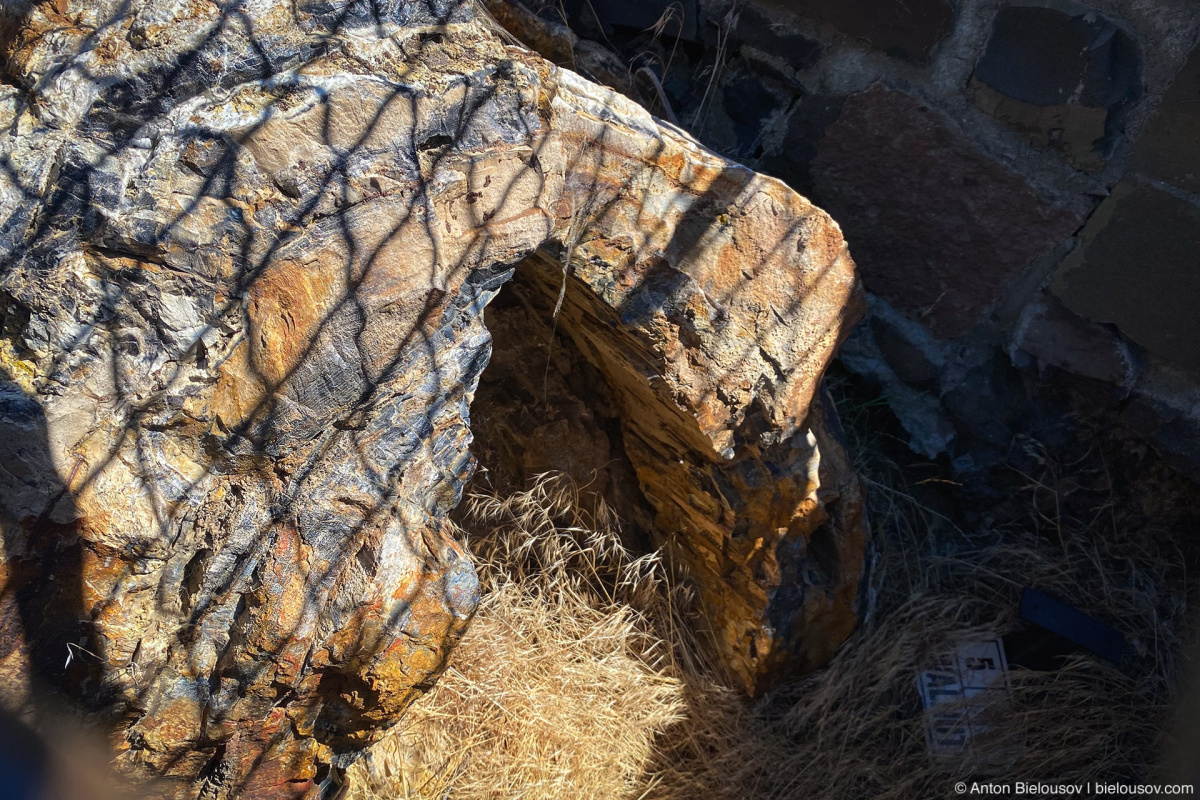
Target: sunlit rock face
<point>246,256</point>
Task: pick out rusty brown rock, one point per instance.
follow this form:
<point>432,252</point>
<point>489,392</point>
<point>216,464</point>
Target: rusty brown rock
<point>247,257</point>
<point>552,41</point>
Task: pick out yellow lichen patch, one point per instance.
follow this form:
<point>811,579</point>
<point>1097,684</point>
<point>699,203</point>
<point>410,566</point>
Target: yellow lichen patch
<point>18,370</point>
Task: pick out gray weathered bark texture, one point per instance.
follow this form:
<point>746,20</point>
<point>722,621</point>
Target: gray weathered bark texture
<point>246,252</point>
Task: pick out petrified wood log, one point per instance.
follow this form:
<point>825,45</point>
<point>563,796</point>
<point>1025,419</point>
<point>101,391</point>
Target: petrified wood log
<point>246,253</point>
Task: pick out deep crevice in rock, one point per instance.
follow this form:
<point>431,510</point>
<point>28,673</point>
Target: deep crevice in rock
<point>542,407</point>
<point>770,531</point>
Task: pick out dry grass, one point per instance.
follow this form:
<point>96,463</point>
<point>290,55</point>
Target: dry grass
<point>582,675</point>
<point>561,688</point>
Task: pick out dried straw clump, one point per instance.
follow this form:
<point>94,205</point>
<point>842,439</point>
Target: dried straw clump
<point>560,689</point>
<point>583,677</point>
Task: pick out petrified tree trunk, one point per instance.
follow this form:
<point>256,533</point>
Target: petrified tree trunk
<point>246,254</point>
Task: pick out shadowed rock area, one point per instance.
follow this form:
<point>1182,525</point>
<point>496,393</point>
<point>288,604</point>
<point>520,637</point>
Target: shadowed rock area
<point>246,256</point>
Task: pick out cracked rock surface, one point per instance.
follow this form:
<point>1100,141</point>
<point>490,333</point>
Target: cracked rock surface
<point>246,251</point>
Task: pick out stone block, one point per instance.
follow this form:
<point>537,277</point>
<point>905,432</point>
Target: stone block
<point>756,28</point>
<point>1136,267</point>
<point>1082,347</point>
<point>939,229</point>
<point>1073,130</point>
<point>687,19</point>
<point>1060,78</point>
<point>1169,146</point>
<point>906,28</point>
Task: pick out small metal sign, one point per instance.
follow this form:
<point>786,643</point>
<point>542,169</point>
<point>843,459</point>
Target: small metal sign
<point>961,692</point>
